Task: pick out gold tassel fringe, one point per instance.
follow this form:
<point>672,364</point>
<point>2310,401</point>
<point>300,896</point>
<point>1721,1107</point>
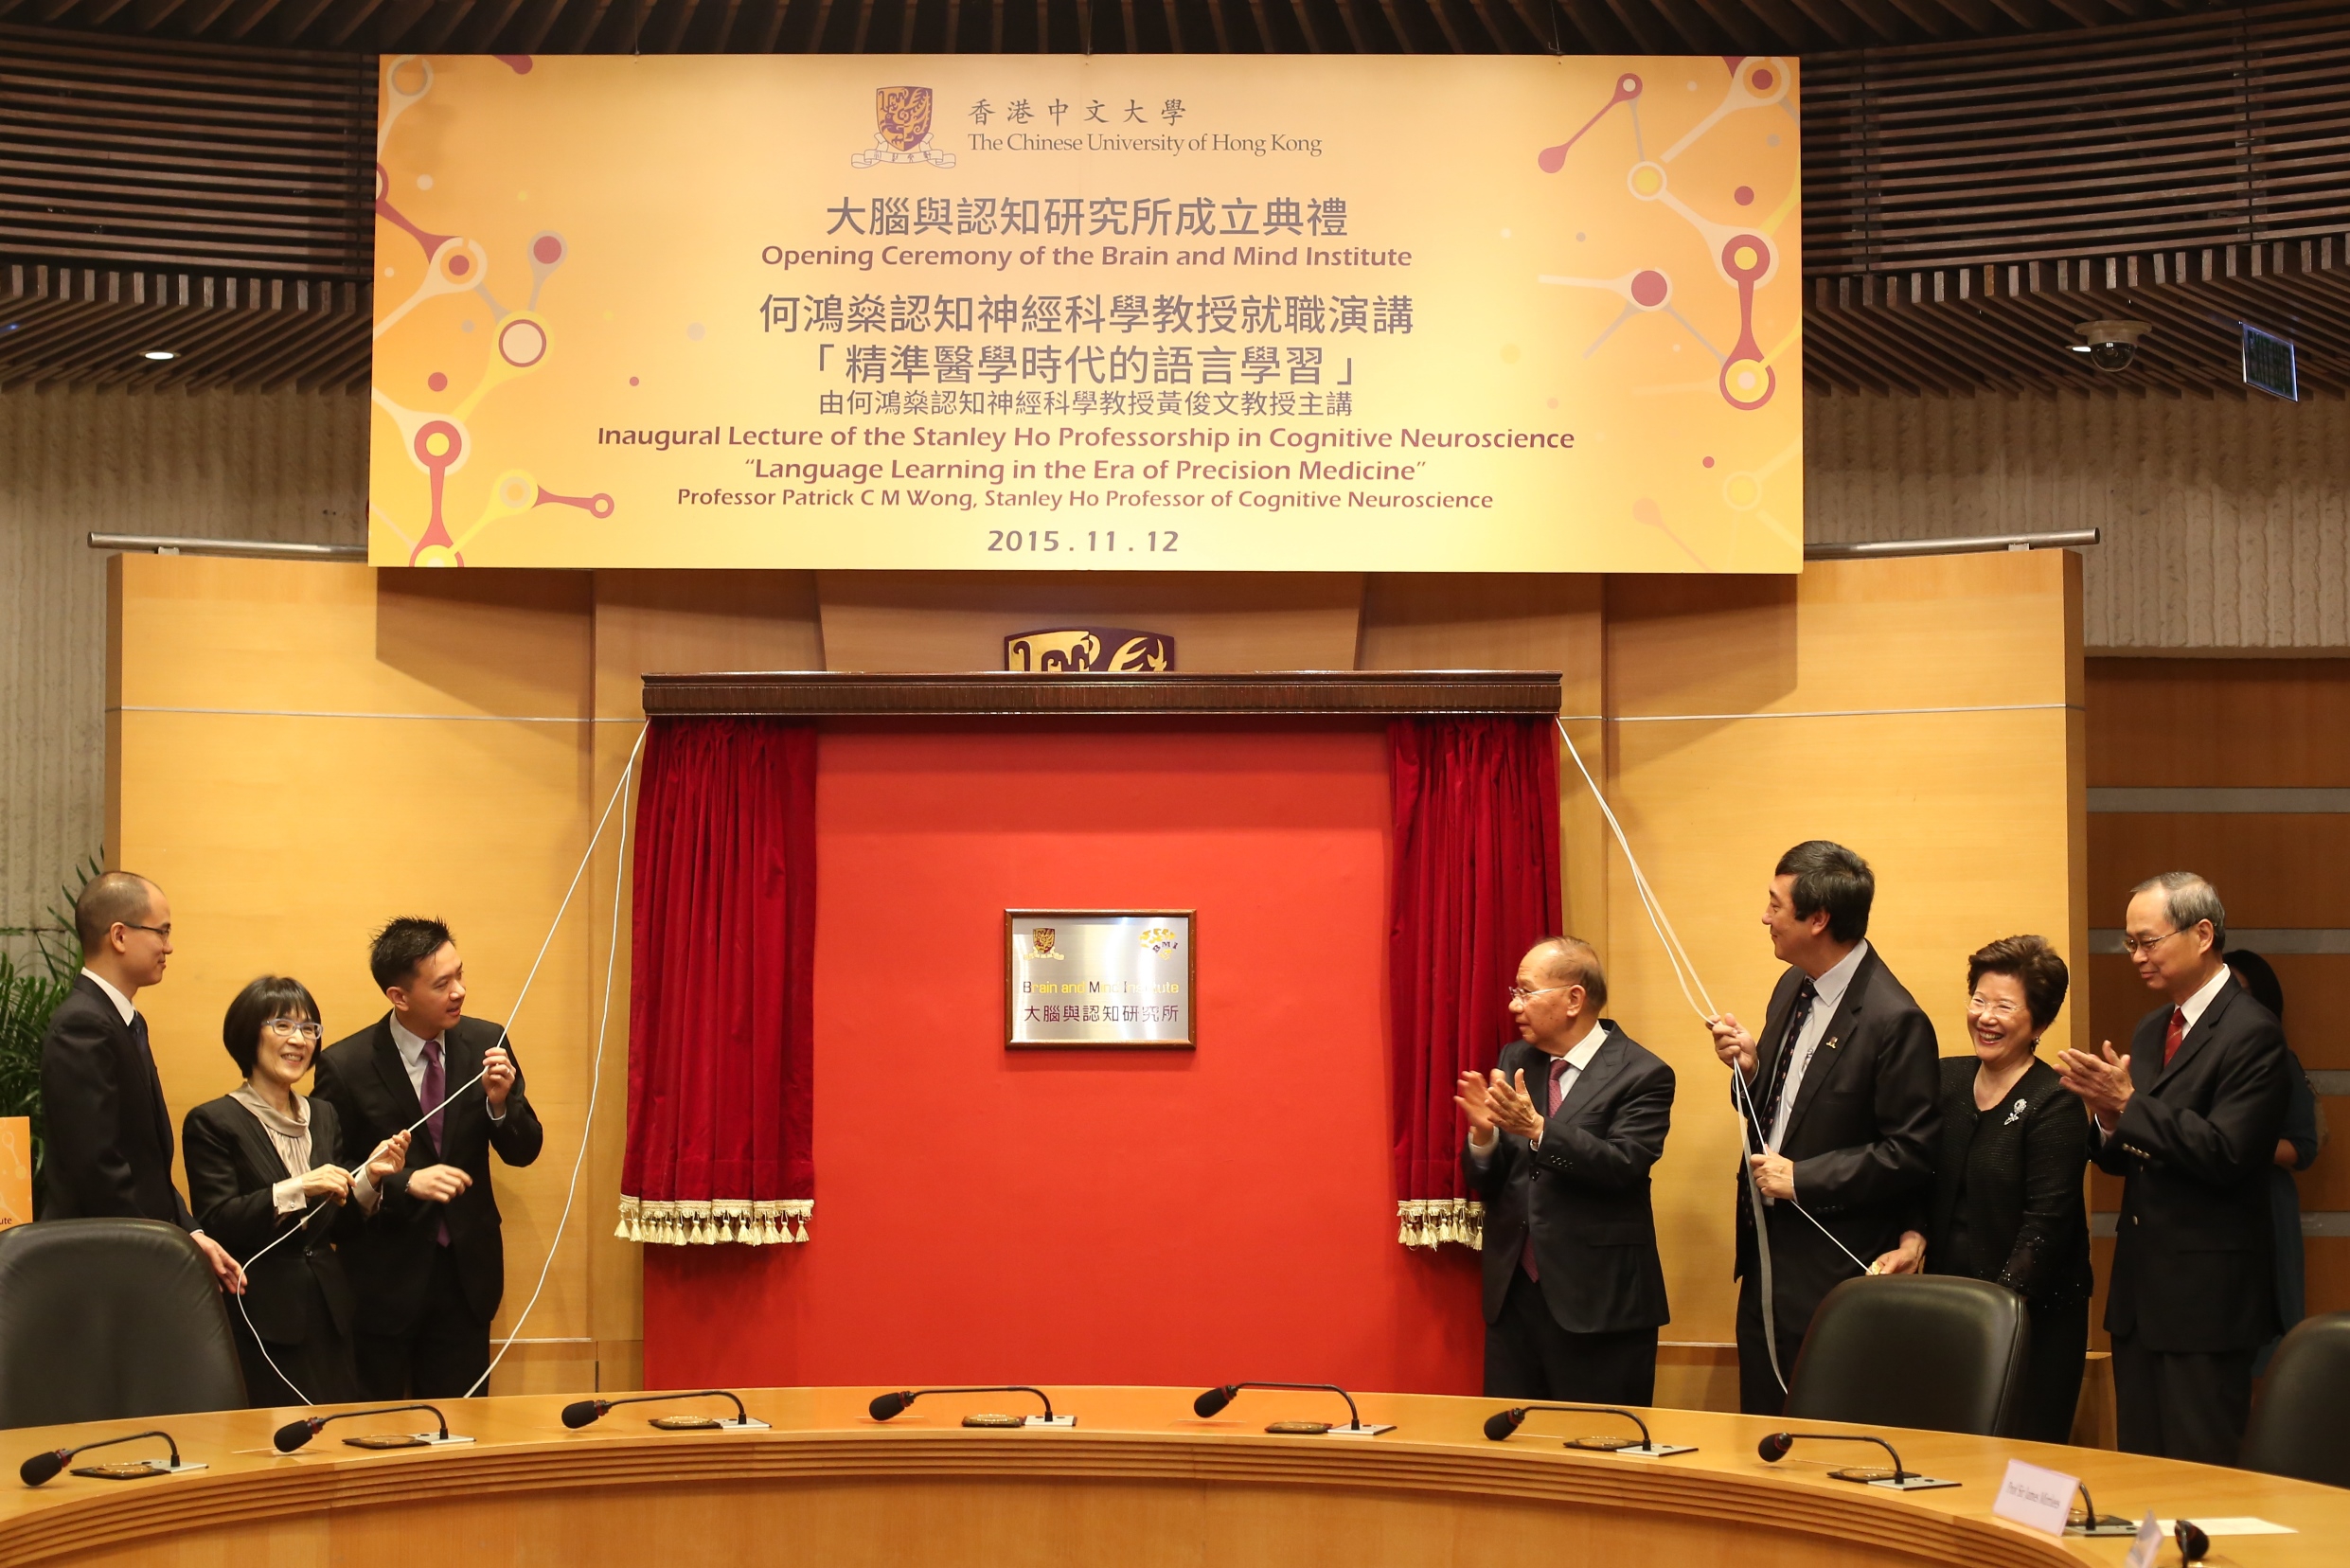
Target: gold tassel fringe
<point>754,1222</point>
<point>1433,1222</point>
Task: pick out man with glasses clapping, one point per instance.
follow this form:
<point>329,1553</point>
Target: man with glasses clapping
<point>2189,1120</point>
<point>1560,1141</point>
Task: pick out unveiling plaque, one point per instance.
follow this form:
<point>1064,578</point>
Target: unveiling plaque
<point>1097,977</point>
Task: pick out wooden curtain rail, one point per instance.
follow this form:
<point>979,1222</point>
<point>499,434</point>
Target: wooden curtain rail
<point>1288,693</point>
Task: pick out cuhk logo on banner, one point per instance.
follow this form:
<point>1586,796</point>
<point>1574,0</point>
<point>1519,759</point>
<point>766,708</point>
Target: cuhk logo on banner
<point>901,131</point>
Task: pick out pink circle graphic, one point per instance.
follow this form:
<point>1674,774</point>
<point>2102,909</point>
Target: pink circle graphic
<point>1762,80</point>
<point>547,250</point>
<point>460,265</point>
<point>1744,195</point>
<point>523,343</point>
<point>1707,461</point>
<point>1649,289</point>
<point>437,382</point>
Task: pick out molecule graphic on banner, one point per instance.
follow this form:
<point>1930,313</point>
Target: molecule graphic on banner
<point>440,441</point>
<point>1742,255</point>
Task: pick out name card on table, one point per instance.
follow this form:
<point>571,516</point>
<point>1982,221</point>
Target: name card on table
<point>2034,1498</point>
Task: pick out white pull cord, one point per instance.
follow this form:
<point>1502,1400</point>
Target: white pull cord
<point>627,774</point>
<point>1750,1122</point>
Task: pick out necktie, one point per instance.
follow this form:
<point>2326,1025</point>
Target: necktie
<point>1558,1093</point>
<point>433,1095</point>
<point>1797,1017</point>
<point>2177,1033</point>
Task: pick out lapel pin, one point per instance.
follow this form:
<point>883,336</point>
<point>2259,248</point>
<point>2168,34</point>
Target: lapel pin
<point>1831,1043</point>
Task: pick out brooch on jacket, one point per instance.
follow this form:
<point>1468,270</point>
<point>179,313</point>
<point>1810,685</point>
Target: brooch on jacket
<point>2016,1114</point>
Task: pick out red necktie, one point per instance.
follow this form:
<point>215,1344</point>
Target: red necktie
<point>435,1094</point>
<point>2177,1032</point>
<point>1558,1078</point>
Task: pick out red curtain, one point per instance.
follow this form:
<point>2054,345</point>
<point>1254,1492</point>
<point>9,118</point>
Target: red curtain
<point>1477,830</point>
<point>721,1025</point>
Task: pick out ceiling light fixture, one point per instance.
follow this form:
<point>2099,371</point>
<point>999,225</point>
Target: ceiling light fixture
<point>161,354</point>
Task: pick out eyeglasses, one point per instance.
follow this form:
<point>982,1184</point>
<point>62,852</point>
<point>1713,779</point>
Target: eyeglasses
<point>162,931</point>
<point>1519,994</point>
<point>2133,945</point>
<point>286,1029</point>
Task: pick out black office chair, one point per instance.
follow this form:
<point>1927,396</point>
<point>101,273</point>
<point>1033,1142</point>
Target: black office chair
<point>109,1319</point>
<point>1934,1352</point>
<point>2301,1427</point>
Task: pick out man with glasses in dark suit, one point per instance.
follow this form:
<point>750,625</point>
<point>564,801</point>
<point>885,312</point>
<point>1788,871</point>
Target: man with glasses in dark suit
<point>2189,1120</point>
<point>109,1133</point>
<point>1841,1094</point>
<point>1560,1141</point>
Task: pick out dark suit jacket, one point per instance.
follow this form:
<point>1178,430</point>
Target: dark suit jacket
<point>390,1259</point>
<point>232,1164</point>
<point>109,1132</point>
<point>1585,1191</point>
<point>1863,1132</point>
<point>2191,1252</point>
<point>2009,1179</point>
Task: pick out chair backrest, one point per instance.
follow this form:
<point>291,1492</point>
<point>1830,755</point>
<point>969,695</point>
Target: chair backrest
<point>2301,1427</point>
<point>1939,1352</point>
<point>109,1319</point>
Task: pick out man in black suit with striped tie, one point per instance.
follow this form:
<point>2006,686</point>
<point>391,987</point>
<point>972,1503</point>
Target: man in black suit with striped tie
<point>1840,1096</point>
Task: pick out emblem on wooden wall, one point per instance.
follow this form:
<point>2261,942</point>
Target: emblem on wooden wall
<point>1081,650</point>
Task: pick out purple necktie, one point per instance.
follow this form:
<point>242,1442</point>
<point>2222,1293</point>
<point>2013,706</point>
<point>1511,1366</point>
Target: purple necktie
<point>433,1094</point>
<point>1558,1093</point>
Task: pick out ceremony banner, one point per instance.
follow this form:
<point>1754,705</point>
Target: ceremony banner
<point>1137,312</point>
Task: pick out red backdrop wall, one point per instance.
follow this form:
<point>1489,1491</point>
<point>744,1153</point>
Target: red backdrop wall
<point>986,1214</point>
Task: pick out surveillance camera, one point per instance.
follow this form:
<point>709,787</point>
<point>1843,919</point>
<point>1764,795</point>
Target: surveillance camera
<point>2110,345</point>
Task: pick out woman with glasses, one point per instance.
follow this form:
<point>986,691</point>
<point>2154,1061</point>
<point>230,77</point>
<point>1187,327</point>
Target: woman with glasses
<point>2008,1205</point>
<point>262,1167</point>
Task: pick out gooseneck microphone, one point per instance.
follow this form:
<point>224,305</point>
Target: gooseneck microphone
<point>889,1406</point>
<point>1212,1401</point>
<point>45,1465</point>
<point>1499,1425</point>
<point>294,1433</point>
<point>588,1412</point>
<point>1773,1449</point>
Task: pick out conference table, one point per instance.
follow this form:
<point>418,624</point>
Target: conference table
<point>1139,1482</point>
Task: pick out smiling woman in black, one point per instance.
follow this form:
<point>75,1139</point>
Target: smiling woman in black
<point>2007,1198</point>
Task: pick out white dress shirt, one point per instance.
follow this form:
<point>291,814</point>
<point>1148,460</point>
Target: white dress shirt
<point>1577,1059</point>
<point>122,1003</point>
<point>1828,995</point>
<point>2194,1007</point>
<point>410,1048</point>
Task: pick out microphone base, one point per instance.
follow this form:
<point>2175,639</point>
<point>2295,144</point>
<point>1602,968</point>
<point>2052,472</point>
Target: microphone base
<point>1051,1421</point>
<point>1368,1429</point>
<point>2104,1525</point>
<point>135,1469</point>
<point>1652,1451</point>
<point>434,1439</point>
<point>707,1423</point>
<point>1911,1483</point>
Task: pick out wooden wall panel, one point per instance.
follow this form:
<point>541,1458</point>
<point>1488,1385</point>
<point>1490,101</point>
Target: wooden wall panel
<point>1747,715</point>
<point>2240,723</point>
<point>2270,869</point>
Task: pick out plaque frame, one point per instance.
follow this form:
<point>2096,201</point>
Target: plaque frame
<point>1013,917</point>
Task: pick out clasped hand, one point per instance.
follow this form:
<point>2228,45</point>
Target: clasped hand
<point>1496,1101</point>
<point>2102,1081</point>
